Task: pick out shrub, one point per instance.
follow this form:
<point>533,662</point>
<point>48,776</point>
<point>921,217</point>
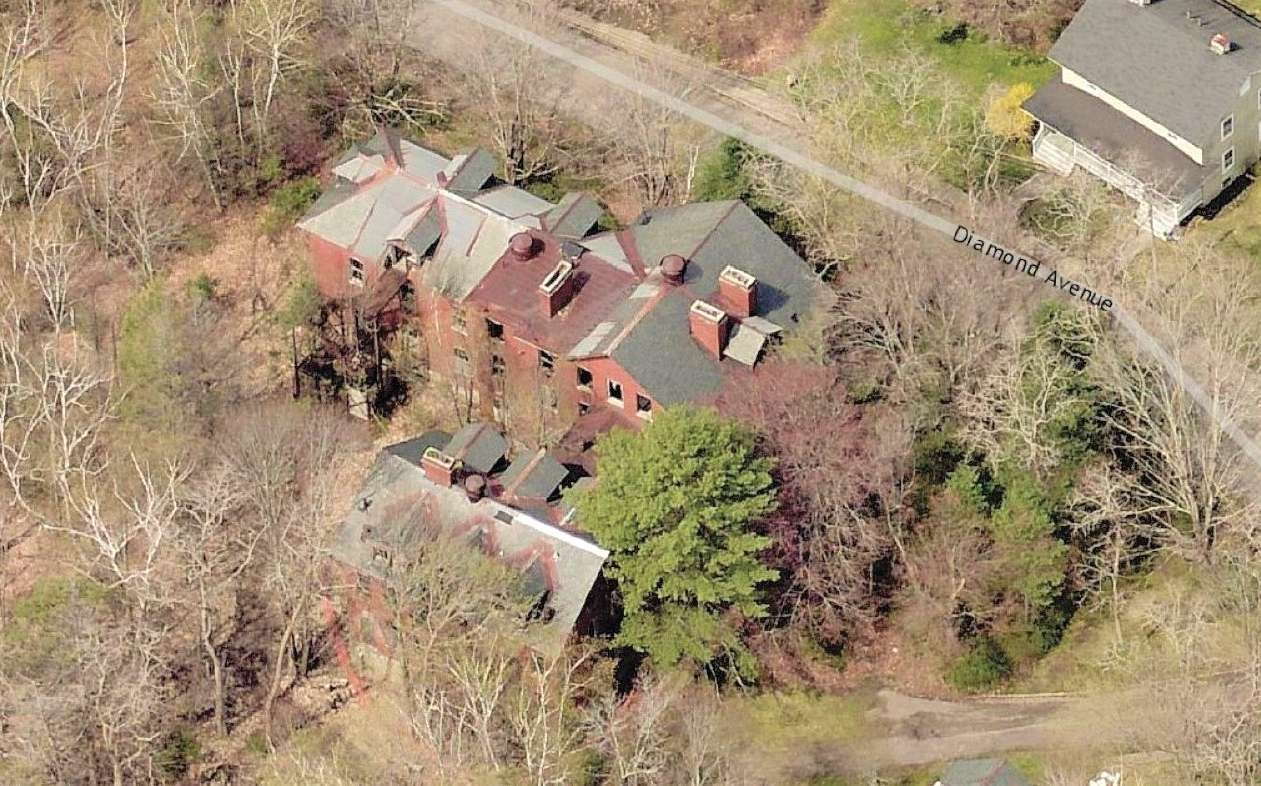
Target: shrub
<point>203,288</point>
<point>980,668</point>
<point>288,203</point>
<point>303,305</point>
<point>1005,117</point>
<point>721,174</point>
<point>177,754</point>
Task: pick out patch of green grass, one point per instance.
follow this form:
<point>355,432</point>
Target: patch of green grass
<point>1239,225</point>
<point>964,55</point>
<point>789,719</point>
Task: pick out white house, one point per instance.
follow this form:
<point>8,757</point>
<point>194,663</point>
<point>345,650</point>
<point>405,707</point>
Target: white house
<point>1159,98</point>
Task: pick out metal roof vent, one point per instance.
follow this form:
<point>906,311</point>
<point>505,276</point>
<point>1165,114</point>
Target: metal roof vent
<point>521,246</point>
<point>1141,2</point>
<point>1220,44</point>
<point>673,267</point>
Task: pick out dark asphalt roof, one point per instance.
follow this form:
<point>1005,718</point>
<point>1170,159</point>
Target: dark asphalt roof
<point>479,445</point>
<point>1115,137</point>
<point>574,215</point>
<point>474,171</point>
<point>662,356</point>
<point>337,192</point>
<point>1158,61</point>
<point>534,476</point>
<point>425,233</point>
<point>659,352</point>
<point>412,449</point>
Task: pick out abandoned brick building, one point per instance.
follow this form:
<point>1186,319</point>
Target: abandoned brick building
<point>464,488</point>
<point>518,299</point>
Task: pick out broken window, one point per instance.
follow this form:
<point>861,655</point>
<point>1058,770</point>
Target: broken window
<point>551,400</point>
<point>407,297</point>
<point>496,365</point>
<point>547,362</point>
<point>584,378</point>
<point>396,254</point>
<point>615,392</point>
<point>380,555</point>
<point>643,405</point>
<point>583,408</point>
<point>494,330</point>
<point>458,322</point>
<point>461,362</point>
<point>356,272</point>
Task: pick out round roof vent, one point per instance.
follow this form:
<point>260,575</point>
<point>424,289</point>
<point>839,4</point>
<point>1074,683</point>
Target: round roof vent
<point>672,268</point>
<point>522,246</point>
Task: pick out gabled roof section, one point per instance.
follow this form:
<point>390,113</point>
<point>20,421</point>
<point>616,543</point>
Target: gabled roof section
<point>479,445</point>
<point>469,172</point>
<point>512,202</point>
<point>574,216</point>
<point>1156,59</point>
<point>662,356</point>
<point>534,476</point>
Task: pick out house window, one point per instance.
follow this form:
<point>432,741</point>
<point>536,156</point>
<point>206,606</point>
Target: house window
<point>497,365</point>
<point>584,378</point>
<point>494,330</point>
<point>1228,126</point>
<point>1228,159</point>
<point>458,322</point>
<point>356,272</point>
<point>380,555</point>
<point>461,362</point>
<point>394,254</point>
<point>615,393</point>
<point>551,400</point>
<point>583,408</point>
<point>547,362</point>
<point>643,406</point>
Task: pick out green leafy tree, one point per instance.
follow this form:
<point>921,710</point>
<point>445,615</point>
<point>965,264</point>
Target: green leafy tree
<point>675,506</point>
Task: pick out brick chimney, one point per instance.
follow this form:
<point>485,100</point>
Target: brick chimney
<point>557,289</point>
<point>738,291</point>
<point>438,466</point>
<point>1220,43</point>
<point>709,325</point>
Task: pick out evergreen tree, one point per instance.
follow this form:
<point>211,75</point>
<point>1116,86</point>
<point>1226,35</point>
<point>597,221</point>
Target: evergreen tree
<point>675,506</point>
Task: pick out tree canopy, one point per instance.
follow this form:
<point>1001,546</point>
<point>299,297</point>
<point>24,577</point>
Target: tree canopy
<point>676,506</point>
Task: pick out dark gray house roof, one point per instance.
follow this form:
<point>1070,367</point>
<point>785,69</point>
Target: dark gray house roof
<point>1156,58</point>
<point>534,476</point>
<point>1116,138</point>
<point>480,446</point>
<point>401,510</point>
<point>658,351</point>
<point>574,215</point>
<point>983,772</point>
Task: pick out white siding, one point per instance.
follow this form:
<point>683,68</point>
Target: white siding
<point>1079,82</point>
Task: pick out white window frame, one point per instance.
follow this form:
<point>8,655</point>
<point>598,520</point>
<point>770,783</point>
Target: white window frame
<point>646,414</point>
<point>620,399</point>
<point>578,373</point>
<point>1228,126</point>
<point>357,273</point>
<point>1228,153</point>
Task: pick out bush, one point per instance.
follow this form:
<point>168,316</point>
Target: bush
<point>177,754</point>
<point>721,174</point>
<point>203,288</point>
<point>981,668</point>
<point>288,203</point>
<point>303,305</point>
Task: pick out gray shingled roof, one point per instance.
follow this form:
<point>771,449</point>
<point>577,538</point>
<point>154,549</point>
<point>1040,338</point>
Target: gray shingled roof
<point>661,355</point>
<point>479,445</point>
<point>658,352</point>
<point>983,772</point>
<point>533,476</point>
<point>1116,138</point>
<point>412,449</point>
<point>574,215</point>
<point>472,171</point>
<point>1158,61</point>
